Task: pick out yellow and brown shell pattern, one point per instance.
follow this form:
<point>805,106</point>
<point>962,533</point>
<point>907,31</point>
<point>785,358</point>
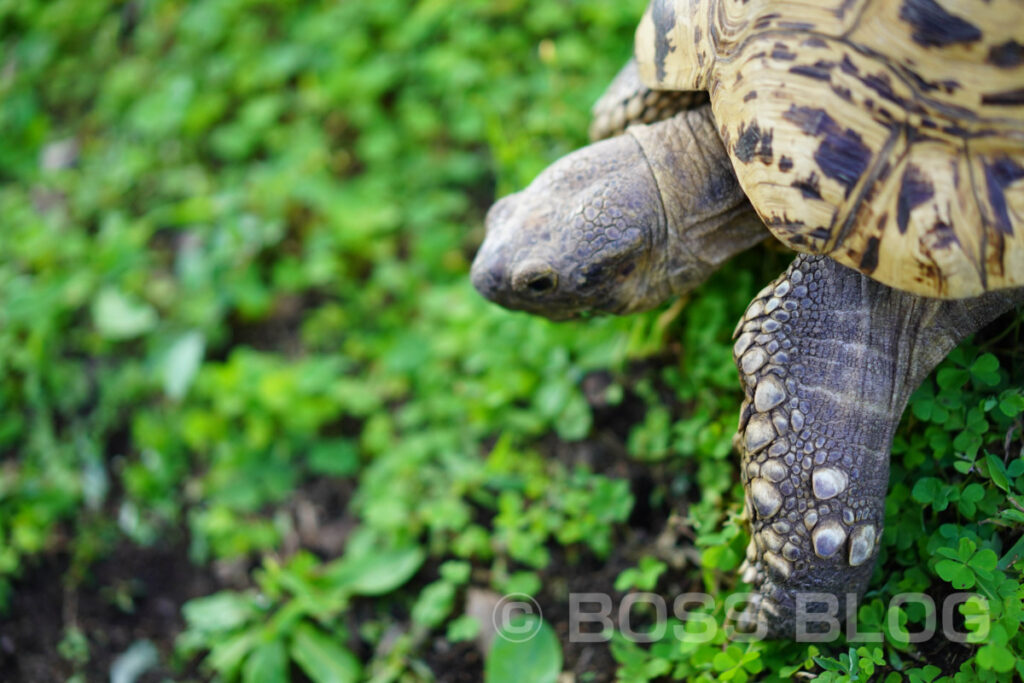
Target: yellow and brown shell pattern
<point>887,134</point>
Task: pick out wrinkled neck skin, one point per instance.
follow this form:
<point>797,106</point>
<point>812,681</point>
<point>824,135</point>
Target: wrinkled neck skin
<point>619,226</point>
<point>708,219</point>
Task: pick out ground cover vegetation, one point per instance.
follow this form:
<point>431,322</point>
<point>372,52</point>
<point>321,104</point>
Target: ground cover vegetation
<point>255,424</point>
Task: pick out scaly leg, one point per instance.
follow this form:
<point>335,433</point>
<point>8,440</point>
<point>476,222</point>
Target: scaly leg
<point>828,359</point>
<point>627,102</point>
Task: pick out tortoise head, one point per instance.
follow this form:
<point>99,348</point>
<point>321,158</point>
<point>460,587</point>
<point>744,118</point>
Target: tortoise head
<point>584,237</point>
<point>618,226</point>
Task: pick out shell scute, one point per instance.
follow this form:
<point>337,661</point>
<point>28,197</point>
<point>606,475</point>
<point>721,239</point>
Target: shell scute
<point>888,135</point>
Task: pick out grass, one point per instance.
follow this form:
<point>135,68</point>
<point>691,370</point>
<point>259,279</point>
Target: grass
<point>237,328</point>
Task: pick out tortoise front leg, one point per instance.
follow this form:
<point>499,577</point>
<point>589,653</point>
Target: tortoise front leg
<point>627,102</point>
<point>828,359</point>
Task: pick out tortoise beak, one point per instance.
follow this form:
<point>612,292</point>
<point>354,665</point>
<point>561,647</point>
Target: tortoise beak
<point>488,276</point>
<point>505,270</point>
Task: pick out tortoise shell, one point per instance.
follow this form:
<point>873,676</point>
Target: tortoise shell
<point>886,134</point>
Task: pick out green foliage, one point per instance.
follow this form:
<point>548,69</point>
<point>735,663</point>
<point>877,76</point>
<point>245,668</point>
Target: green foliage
<point>514,658</point>
<point>234,266</point>
<point>643,577</point>
<point>576,508</point>
<point>964,566</point>
<point>853,665</point>
<point>234,262</point>
<point>296,614</point>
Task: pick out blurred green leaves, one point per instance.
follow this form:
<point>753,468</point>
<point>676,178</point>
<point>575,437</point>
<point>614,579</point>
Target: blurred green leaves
<point>234,262</point>
<point>256,633</point>
<point>234,268</point>
<point>528,651</point>
<point>118,317</point>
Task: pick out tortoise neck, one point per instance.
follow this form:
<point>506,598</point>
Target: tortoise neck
<point>708,218</point>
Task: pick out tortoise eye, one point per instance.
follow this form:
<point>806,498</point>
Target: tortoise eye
<point>595,270</point>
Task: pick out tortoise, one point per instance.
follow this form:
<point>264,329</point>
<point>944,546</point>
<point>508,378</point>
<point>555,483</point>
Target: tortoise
<point>883,142</point>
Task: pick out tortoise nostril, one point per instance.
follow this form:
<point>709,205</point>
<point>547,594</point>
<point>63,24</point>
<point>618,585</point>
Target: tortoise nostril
<point>541,284</point>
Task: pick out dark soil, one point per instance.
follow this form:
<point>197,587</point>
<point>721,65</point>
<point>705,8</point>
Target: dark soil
<point>134,593</point>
